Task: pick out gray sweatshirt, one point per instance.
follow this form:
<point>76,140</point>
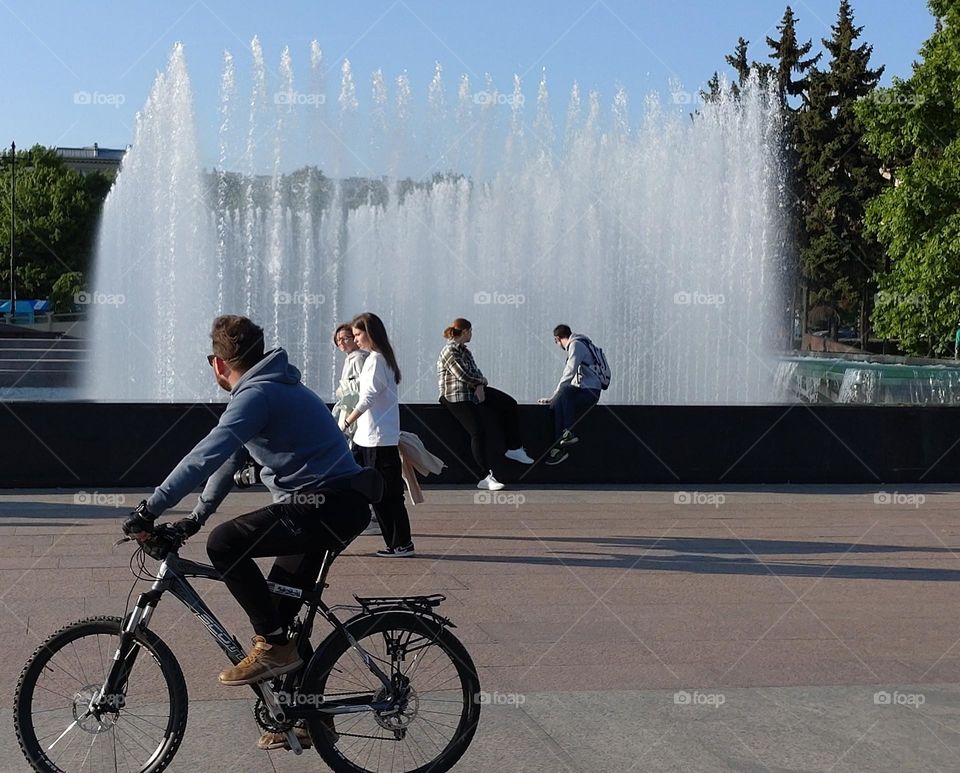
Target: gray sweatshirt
<point>280,423</point>
<point>353,365</point>
<point>578,370</point>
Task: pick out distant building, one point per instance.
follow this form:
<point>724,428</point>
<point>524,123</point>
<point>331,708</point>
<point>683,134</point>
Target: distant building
<point>95,159</point>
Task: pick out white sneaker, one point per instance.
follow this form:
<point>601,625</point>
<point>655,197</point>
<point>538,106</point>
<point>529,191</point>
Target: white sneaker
<point>519,455</point>
<point>490,483</point>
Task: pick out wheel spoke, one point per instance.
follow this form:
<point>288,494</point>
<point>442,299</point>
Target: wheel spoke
<point>131,733</point>
<point>431,719</point>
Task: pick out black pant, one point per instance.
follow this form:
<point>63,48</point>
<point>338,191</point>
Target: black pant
<point>569,404</point>
<point>471,417</point>
<point>299,533</point>
<point>391,512</point>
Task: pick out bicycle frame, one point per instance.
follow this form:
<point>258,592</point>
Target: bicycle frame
<point>172,577</point>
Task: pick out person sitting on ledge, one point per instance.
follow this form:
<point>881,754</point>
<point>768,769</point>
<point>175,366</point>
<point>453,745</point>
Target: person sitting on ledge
<point>577,392</point>
<point>288,430</point>
<point>463,390</point>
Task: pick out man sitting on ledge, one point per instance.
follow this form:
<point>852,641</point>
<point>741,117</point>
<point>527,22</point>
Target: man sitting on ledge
<point>577,392</point>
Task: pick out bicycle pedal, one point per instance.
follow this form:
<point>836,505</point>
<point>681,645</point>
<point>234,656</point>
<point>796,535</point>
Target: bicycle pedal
<point>294,742</point>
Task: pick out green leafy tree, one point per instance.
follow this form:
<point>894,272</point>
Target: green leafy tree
<point>56,219</point>
<point>63,294</point>
<point>841,175</point>
<point>914,126</point>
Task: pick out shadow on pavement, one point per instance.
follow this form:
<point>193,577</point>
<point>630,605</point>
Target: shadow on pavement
<point>700,555</point>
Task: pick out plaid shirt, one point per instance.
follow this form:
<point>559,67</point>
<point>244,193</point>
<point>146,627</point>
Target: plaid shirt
<point>458,374</point>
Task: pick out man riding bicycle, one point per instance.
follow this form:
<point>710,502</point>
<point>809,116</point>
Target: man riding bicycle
<point>320,494</point>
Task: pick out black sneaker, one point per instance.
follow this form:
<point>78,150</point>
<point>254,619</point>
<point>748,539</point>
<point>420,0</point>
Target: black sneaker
<point>556,456</point>
<point>567,438</point>
<point>400,552</point>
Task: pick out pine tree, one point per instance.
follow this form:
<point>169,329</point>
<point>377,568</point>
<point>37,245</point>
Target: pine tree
<point>739,62</point>
<point>841,173</point>
<point>789,73</point>
<point>741,65</point>
<point>712,92</point>
<point>789,58</point>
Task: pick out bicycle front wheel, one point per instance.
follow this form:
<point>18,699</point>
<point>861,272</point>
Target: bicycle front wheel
<point>139,733</point>
<point>434,722</point>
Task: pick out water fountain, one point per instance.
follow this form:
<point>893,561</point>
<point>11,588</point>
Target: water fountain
<point>867,379</point>
<point>659,238</point>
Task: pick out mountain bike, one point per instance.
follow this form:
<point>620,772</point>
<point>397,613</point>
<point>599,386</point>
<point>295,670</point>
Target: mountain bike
<point>389,689</point>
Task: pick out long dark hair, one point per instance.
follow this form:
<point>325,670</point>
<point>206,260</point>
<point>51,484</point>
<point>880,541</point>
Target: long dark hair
<point>372,325</point>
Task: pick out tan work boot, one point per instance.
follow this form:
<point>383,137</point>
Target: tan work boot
<point>270,740</point>
<point>265,661</point>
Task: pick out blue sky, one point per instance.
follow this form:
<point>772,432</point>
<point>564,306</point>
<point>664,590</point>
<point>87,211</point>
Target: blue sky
<point>53,50</point>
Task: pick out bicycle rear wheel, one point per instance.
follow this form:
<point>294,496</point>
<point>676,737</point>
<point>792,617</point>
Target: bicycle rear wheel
<point>433,725</point>
<point>143,727</point>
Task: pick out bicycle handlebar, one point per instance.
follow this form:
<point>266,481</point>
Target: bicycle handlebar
<point>163,540</point>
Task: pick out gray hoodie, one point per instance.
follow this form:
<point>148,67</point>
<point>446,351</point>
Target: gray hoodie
<point>578,370</point>
<point>280,423</point>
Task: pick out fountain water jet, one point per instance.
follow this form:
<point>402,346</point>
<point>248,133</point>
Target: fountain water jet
<point>661,240</point>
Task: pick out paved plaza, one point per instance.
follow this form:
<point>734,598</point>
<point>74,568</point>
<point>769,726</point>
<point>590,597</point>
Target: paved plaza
<point>762,629</point>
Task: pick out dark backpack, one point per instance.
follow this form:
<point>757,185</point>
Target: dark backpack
<point>600,365</point>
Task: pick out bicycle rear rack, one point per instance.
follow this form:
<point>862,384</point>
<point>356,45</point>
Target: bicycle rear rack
<point>414,603</point>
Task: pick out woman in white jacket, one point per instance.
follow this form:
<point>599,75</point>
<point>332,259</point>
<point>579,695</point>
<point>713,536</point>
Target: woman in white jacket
<point>377,435</point>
